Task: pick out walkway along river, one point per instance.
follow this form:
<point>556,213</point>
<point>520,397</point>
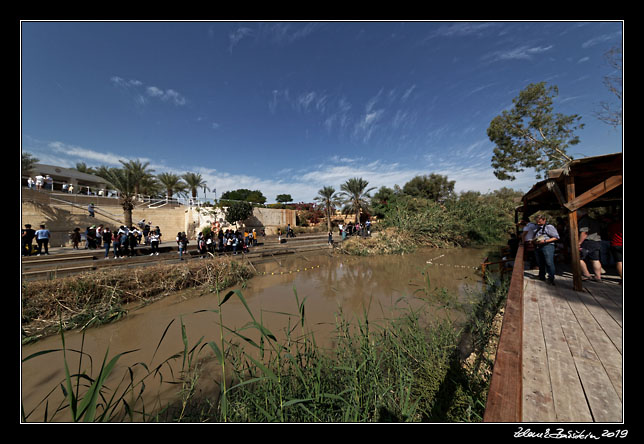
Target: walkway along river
<point>327,282</point>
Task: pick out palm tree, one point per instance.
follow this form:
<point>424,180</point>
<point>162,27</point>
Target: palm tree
<point>139,173</point>
<point>194,181</point>
<point>83,168</point>
<point>172,183</point>
<point>356,197</point>
<point>124,181</point>
<point>328,199</point>
<point>28,161</point>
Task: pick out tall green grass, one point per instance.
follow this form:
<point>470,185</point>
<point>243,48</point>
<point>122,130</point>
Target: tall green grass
<point>406,367</point>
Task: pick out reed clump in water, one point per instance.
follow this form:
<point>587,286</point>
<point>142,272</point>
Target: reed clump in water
<point>388,241</point>
<point>405,368</point>
<point>98,297</point>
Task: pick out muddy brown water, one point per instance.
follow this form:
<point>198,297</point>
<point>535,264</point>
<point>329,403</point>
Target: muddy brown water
<point>353,284</point>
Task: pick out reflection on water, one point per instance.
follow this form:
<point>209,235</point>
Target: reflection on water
<point>357,284</point>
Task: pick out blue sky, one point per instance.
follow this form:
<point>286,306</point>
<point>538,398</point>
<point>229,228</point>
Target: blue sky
<point>290,107</point>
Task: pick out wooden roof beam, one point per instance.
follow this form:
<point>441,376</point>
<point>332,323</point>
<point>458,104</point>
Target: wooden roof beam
<point>595,192</point>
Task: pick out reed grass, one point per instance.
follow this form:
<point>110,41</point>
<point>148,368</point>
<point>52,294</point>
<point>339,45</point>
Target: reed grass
<point>406,367</point>
<point>99,297</point>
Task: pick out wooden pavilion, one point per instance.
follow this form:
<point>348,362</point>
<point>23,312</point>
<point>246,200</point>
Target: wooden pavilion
<point>588,182</point>
<point>559,357</point>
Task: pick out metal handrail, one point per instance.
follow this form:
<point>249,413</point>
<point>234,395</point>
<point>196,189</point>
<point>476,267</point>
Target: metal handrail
<point>103,212</point>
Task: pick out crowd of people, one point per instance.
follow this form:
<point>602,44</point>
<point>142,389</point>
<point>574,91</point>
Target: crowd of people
<point>228,241</point>
<point>599,243</point>
<point>122,240</point>
<point>356,229</point>
<point>46,182</point>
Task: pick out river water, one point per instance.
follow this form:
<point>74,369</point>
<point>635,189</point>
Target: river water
<point>356,285</point>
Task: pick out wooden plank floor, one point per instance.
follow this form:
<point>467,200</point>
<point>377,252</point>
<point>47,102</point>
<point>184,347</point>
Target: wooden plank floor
<point>572,351</point>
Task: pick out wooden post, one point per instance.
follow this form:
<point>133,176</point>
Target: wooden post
<point>574,236</point>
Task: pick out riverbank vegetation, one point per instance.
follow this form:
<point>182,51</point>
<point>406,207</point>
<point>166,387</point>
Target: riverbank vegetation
<point>408,367</point>
<point>410,221</point>
<point>98,297</point>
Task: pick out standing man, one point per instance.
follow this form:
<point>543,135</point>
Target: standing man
<point>42,239</point>
<point>28,235</point>
<point>545,236</point>
<point>90,209</point>
<point>49,183</point>
<point>589,245</point>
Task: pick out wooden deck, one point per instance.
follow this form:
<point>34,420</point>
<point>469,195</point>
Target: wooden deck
<point>572,351</point>
<point>559,357</point>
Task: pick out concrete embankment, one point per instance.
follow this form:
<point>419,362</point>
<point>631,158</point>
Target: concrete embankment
<point>65,260</point>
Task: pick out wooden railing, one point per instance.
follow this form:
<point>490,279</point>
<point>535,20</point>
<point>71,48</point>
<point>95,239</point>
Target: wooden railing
<point>505,394</point>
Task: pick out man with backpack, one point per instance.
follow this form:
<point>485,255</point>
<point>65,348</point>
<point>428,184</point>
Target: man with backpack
<point>545,236</point>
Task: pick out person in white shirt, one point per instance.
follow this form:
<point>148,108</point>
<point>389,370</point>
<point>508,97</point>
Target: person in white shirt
<point>39,181</point>
<point>154,243</point>
<point>42,238</point>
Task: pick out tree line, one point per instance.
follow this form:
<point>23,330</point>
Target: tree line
<point>426,206</point>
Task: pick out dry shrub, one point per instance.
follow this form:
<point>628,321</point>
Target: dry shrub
<point>89,294</point>
<point>389,241</point>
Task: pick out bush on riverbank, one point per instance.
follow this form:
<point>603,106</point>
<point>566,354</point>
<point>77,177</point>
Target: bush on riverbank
<point>97,297</point>
<point>412,222</point>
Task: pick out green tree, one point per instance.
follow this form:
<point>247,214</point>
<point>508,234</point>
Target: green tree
<point>612,113</point>
<point>382,200</point>
<point>245,195</point>
<point>195,181</point>
<point>433,187</point>
<point>139,173</point>
<point>27,164</point>
<point>284,198</point>
<point>83,168</point>
<point>327,199</point>
<point>124,181</point>
<point>530,135</point>
<point>356,196</point>
<point>172,183</point>
<point>238,211</point>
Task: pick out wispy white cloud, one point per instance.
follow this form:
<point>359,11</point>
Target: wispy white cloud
<point>601,39</point>
<point>272,33</point>
<point>524,52</point>
<point>304,100</point>
<point>80,154</point>
<point>368,124</point>
<point>388,110</point>
<point>289,32</point>
<point>238,35</point>
<point>143,93</point>
<point>463,29</point>
<point>408,92</point>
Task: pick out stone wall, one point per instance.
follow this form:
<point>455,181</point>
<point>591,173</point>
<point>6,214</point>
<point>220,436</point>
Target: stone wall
<point>61,218</point>
<point>270,219</point>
